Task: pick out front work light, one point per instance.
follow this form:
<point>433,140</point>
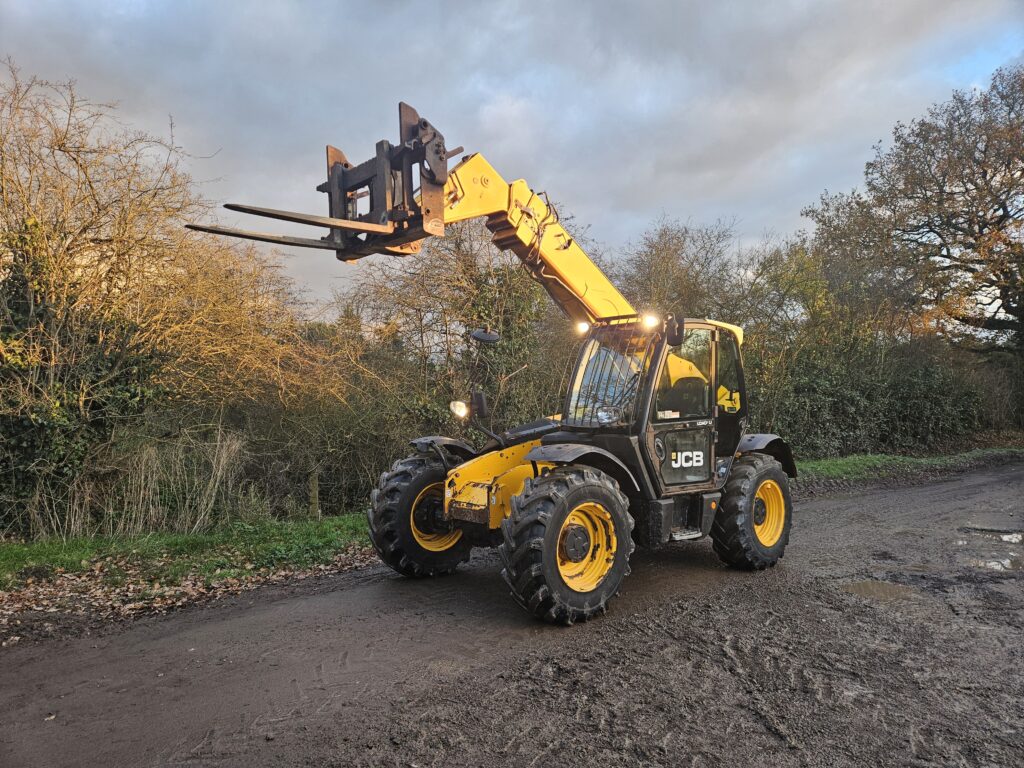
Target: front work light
<point>651,322</point>
<point>608,414</point>
<point>459,409</point>
<point>582,327</point>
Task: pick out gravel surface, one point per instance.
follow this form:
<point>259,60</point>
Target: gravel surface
<point>891,634</point>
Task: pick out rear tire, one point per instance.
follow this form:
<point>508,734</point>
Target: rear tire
<point>408,492</point>
<point>567,543</point>
<point>751,529</point>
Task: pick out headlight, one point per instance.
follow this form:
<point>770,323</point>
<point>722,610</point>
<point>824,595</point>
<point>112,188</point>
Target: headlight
<point>651,322</point>
<point>459,408</point>
<point>608,414</point>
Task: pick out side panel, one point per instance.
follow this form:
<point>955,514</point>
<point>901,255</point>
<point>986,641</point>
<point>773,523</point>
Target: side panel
<point>679,517</point>
<point>510,484</point>
<point>468,488</point>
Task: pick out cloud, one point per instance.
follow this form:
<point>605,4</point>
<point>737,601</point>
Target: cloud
<point>621,111</point>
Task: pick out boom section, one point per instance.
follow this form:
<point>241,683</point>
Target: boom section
<point>523,222</point>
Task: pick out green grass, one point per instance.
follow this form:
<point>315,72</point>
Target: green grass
<point>242,547</point>
<point>169,557</point>
<point>881,465</point>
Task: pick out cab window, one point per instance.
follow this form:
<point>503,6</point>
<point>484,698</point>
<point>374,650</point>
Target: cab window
<point>728,395</point>
<point>684,383</point>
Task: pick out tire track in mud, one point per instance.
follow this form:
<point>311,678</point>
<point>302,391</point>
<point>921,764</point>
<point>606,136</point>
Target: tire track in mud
<point>694,665</point>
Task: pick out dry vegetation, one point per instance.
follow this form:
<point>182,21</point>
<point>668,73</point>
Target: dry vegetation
<point>155,379</point>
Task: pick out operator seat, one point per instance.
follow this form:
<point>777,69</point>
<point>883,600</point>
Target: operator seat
<point>683,389</point>
<point>688,396</point>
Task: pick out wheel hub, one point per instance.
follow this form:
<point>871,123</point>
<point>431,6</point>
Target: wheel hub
<point>426,519</point>
<point>760,511</point>
<point>428,515</point>
<point>586,547</point>
<point>575,543</point>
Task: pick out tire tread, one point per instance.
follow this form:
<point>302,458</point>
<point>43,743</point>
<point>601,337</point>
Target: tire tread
<point>385,515</point>
<point>522,546</point>
<point>732,538</point>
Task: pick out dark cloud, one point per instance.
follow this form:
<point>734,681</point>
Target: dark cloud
<point>622,111</point>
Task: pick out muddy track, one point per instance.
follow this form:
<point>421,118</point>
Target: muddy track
<point>891,634</point>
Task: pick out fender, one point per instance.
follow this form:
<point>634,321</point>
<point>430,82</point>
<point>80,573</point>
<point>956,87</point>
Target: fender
<point>440,444</point>
<point>570,453</point>
<point>773,445</point>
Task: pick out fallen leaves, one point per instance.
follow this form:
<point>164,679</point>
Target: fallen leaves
<point>119,588</point>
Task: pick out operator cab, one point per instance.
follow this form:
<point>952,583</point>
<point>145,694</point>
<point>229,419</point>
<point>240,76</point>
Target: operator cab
<point>668,398</point>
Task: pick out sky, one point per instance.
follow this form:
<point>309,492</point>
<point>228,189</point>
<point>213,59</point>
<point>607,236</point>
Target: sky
<point>624,112</point>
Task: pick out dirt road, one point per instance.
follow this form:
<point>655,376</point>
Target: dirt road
<point>891,634</point>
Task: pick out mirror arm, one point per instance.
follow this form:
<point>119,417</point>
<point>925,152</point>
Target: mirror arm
<point>478,410</point>
<point>476,424</point>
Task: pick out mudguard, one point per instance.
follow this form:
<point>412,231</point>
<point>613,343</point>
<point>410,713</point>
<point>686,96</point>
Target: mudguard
<point>573,453</point>
<point>441,445</point>
<point>773,445</point>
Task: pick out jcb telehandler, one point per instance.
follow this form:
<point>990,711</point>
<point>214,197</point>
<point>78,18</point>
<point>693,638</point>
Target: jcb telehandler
<point>650,445</point>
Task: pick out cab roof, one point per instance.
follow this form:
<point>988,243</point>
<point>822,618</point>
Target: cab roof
<point>630,319</point>
<point>736,330</point>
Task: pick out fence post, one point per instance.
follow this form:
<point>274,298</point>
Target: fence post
<point>314,495</point>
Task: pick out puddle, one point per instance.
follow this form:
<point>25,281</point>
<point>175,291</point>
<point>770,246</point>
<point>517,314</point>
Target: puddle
<point>880,590</point>
<point>993,559</point>
<point>1012,563</point>
<point>1011,535</point>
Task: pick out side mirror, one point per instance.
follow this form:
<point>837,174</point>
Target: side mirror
<point>673,332</point>
<point>485,336</point>
<point>479,407</point>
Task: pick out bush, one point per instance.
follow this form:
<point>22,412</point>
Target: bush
<point>889,397</point>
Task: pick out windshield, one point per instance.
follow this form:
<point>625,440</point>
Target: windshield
<point>608,376</point>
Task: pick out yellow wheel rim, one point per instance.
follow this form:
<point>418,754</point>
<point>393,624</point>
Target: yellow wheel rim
<point>769,530</point>
<point>433,542</point>
<point>586,547</point>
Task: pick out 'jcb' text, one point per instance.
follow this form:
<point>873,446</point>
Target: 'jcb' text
<point>687,459</point>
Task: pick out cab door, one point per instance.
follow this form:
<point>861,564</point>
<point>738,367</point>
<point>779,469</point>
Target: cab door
<point>731,418</point>
<point>681,432</point>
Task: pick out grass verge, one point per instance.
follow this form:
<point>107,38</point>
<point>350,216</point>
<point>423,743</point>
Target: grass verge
<point>244,551</point>
<point>881,466</point>
<point>168,558</point>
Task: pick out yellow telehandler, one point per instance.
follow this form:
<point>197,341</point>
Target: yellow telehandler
<point>651,444</point>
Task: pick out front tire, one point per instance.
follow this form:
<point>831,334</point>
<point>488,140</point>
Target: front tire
<point>751,529</point>
<point>406,526</point>
<point>567,543</point>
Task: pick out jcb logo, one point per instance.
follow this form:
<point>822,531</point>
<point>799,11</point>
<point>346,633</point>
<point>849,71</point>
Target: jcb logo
<point>687,459</point>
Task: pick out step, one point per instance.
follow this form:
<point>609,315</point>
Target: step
<point>685,534</point>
